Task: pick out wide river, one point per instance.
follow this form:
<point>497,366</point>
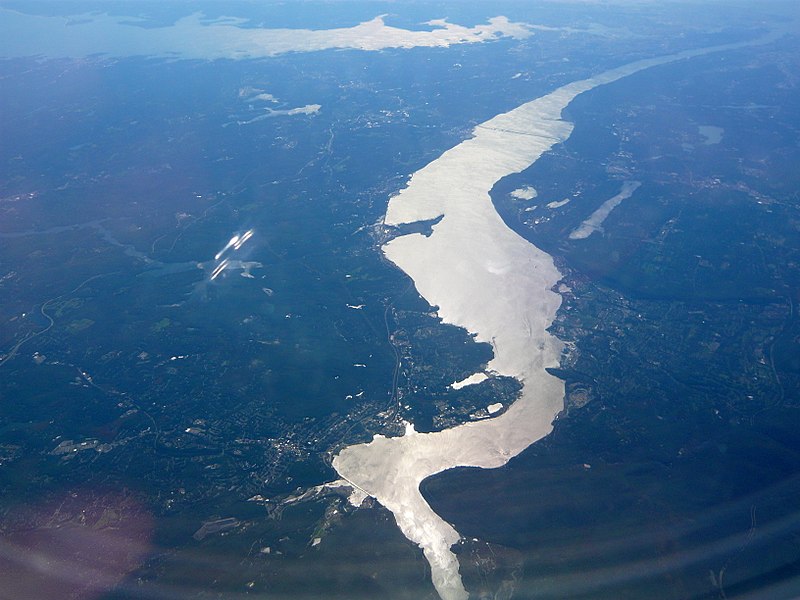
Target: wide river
<point>489,280</point>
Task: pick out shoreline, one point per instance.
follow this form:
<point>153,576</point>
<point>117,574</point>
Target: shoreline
<point>495,284</point>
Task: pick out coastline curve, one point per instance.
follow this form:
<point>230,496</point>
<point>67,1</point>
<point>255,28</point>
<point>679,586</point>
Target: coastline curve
<point>492,282</point>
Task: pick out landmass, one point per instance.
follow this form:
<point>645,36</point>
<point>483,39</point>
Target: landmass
<point>495,284</point>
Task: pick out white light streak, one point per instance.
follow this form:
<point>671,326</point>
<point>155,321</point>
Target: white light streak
<point>234,240</point>
<point>240,242</point>
<point>219,269</point>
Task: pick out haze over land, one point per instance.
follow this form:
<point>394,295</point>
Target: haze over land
<point>199,38</point>
<point>240,251</point>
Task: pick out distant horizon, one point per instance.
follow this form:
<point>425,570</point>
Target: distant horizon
<point>349,300</point>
